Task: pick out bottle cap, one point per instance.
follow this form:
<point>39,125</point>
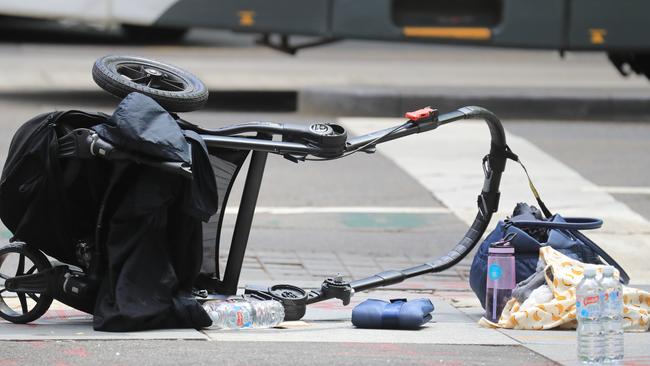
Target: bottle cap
<point>501,250</point>
<point>503,246</point>
<point>590,272</point>
<point>608,271</point>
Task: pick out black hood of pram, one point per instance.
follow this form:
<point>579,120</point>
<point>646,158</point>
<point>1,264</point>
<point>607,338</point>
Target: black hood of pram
<point>151,236</point>
<point>141,125</point>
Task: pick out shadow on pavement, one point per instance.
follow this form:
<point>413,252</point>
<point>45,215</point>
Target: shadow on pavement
<point>221,100</point>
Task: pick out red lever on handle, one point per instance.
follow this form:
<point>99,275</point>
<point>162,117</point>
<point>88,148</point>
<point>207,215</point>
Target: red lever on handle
<point>420,114</point>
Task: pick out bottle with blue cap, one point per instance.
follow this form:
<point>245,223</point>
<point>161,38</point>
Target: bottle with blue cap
<point>500,277</point>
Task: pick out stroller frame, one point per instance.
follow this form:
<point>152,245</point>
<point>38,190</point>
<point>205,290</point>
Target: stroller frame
<point>294,298</point>
<point>321,141</point>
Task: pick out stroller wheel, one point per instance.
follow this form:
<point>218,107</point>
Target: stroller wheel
<point>22,307</point>
<point>173,88</point>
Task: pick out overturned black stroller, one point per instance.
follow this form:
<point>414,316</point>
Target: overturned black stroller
<point>76,212</point>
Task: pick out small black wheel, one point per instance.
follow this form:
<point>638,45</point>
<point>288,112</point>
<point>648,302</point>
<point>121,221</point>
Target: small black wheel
<point>22,307</point>
<point>173,88</point>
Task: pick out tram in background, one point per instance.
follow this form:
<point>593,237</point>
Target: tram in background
<point>619,28</point>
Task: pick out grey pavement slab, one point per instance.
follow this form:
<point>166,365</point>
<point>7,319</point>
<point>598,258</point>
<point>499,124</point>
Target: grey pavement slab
<point>329,321</point>
<point>560,346</point>
<point>161,352</point>
<point>475,312</point>
<point>334,331</point>
<point>64,323</point>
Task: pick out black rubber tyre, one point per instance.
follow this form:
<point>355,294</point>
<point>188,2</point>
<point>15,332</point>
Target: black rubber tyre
<point>173,88</point>
<point>42,301</point>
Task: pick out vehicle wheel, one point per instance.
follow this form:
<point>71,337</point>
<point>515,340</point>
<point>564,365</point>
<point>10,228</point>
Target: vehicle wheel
<point>155,34</point>
<point>173,88</point>
<point>22,307</point>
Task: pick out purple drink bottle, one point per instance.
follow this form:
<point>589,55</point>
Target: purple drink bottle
<point>500,277</point>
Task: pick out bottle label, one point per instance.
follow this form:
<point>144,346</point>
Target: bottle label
<point>241,318</point>
<point>612,301</point>
<point>495,272</point>
<point>590,300</point>
<point>588,307</point>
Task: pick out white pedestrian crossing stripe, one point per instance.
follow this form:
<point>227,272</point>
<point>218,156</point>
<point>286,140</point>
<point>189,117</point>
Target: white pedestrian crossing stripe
<point>298,210</point>
<point>447,162</point>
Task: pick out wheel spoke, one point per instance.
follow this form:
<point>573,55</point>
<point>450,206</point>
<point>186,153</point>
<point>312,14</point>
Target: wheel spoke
<point>4,277</point>
<point>33,296</point>
<point>172,85</point>
<point>21,265</point>
<point>23,302</point>
<point>140,79</point>
<point>138,70</point>
<point>31,270</point>
<point>132,73</point>
<point>173,80</point>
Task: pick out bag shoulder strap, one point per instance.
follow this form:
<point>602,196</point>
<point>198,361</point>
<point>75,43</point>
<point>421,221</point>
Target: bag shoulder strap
<point>572,223</point>
<point>514,157</point>
<point>624,278</point>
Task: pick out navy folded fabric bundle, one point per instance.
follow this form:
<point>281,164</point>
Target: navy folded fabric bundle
<point>396,314</point>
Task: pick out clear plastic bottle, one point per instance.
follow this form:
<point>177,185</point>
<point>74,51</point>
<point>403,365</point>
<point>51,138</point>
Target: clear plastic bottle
<point>268,313</point>
<point>242,313</point>
<point>588,313</point>
<point>612,312</point>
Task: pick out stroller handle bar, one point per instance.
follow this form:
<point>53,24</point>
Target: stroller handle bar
<point>321,140</point>
<point>304,140</point>
<point>488,201</point>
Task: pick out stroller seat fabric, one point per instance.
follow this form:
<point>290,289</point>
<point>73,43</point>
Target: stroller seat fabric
<point>151,231</point>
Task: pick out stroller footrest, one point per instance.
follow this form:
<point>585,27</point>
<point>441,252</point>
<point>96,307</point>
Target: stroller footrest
<point>37,282</point>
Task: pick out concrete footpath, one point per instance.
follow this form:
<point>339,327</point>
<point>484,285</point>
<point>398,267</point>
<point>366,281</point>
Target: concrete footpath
<point>64,336</point>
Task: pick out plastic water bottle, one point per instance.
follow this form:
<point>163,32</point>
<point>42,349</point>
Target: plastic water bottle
<point>500,277</point>
<point>588,313</point>
<point>242,313</point>
<point>612,311</point>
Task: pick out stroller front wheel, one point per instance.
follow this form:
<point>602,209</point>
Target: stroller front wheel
<point>18,259</point>
<point>173,88</point>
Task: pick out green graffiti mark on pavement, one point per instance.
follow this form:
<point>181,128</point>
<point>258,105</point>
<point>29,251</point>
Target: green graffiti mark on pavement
<point>385,221</point>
